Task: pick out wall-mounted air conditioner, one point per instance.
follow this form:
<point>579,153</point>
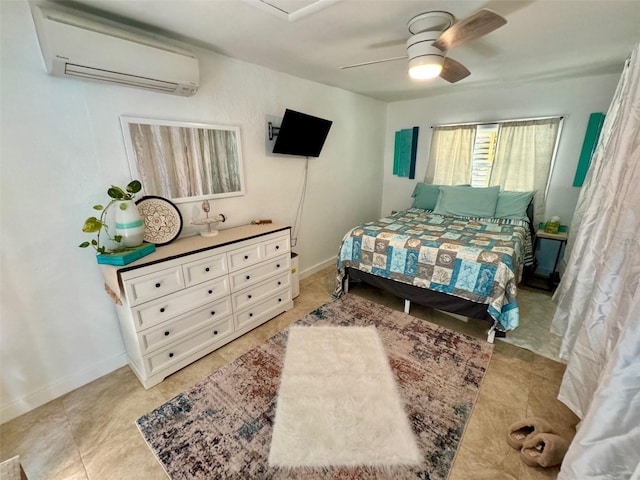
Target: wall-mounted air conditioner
<point>82,46</point>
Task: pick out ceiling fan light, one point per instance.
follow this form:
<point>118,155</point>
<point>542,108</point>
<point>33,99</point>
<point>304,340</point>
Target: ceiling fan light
<point>424,68</point>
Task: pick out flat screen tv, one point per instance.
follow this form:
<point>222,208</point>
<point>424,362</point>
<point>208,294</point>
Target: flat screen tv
<point>301,134</point>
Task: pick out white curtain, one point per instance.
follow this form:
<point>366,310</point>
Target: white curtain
<point>598,313</point>
<point>451,149</point>
<point>523,159</point>
<point>522,163</point>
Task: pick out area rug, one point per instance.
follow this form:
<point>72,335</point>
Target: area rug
<point>222,427</point>
<point>338,403</point>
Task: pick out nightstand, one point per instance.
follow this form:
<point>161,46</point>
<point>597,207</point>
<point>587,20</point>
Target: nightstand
<point>553,278</point>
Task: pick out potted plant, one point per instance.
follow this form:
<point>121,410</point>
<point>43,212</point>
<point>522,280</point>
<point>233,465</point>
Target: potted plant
<point>124,199</point>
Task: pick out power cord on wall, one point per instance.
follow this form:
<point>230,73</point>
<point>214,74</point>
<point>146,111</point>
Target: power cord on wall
<point>298,218</point>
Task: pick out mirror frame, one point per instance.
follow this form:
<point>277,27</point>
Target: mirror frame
<point>134,168</point>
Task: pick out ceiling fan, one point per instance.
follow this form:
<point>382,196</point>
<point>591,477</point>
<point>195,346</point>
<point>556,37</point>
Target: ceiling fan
<point>433,34</point>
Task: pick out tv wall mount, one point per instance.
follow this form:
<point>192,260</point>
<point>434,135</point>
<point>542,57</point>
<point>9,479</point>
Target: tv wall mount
<point>273,131</point>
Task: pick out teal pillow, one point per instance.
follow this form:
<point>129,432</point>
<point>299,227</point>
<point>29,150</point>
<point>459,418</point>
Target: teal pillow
<point>467,201</point>
<point>513,205</point>
<point>425,196</point>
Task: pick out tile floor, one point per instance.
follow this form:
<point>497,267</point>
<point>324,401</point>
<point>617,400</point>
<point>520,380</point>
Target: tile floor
<point>90,433</point>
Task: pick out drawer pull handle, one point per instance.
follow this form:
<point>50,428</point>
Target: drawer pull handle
<point>170,355</point>
<point>166,334</point>
<point>207,269</point>
<point>279,282</point>
<point>251,314</point>
<point>162,310</point>
<point>215,332</point>
<point>158,285</point>
<point>278,266</point>
<point>248,296</point>
<point>248,277</point>
<point>279,299</point>
<point>213,312</point>
<point>210,292</point>
<point>246,257</point>
<point>277,247</point>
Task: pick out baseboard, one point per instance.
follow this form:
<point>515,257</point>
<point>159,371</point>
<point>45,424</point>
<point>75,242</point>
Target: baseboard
<point>60,387</point>
<point>317,267</point>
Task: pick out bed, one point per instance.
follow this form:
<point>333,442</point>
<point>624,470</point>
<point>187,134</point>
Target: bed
<point>467,265</point>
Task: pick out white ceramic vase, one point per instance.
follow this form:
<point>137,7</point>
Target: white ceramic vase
<point>129,224</point>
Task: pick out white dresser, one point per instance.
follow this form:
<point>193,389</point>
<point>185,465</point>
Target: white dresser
<point>196,294</point>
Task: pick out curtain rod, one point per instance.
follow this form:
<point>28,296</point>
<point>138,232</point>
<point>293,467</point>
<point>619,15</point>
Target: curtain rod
<point>561,117</point>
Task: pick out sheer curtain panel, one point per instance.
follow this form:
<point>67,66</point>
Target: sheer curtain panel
<point>523,159</point>
<point>451,149</point>
<point>598,313</point>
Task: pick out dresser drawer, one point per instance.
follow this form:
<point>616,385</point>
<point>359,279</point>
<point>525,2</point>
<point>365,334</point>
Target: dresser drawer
<point>277,246</point>
<point>158,311</point>
<point>217,314</point>
<point>203,270</point>
<point>243,257</point>
<point>163,359</point>
<point>259,292</point>
<point>251,276</point>
<point>256,313</point>
<point>154,285</point>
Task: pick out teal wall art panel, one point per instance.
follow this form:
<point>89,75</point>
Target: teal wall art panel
<point>588,147</point>
<point>405,152</point>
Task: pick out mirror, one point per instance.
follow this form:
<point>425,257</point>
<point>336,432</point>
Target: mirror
<point>184,162</point>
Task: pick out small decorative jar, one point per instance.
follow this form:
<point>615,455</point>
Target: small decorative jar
<point>129,224</point>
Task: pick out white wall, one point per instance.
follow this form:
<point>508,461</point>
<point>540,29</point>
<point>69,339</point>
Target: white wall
<point>61,147</point>
<point>577,98</point>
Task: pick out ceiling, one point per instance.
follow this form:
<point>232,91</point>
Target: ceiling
<point>543,39</point>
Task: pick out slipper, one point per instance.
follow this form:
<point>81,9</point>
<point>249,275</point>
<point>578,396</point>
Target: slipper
<point>544,450</point>
<point>521,430</point>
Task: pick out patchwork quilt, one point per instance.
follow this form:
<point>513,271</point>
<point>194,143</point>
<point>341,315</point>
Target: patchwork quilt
<point>471,258</point>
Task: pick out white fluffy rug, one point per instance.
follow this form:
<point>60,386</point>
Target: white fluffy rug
<point>338,404</point>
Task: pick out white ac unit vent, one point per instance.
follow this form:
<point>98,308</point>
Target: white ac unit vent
<point>85,47</point>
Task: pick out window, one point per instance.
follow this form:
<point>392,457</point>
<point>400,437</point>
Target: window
<point>516,155</point>
<point>483,154</point>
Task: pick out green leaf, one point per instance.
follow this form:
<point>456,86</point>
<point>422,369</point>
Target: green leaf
<point>95,225</point>
<point>116,192</point>
<point>92,225</point>
<point>134,187</point>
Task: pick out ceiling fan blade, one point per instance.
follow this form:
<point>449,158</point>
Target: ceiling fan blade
<point>480,23</point>
<point>372,62</point>
<point>453,71</point>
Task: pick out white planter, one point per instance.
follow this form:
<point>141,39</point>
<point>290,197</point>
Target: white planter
<point>129,225</point>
